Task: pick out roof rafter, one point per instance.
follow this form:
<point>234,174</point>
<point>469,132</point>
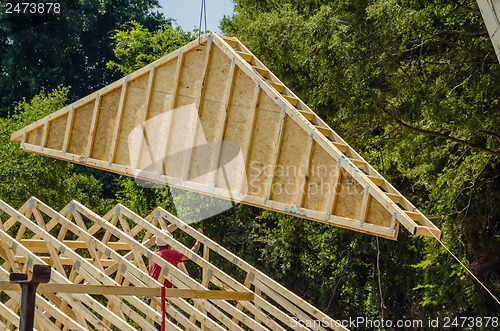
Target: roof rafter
<point>211,118</point>
<point>113,250</point>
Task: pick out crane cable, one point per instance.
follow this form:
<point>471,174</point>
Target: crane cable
<point>203,13</point>
<point>463,265</point>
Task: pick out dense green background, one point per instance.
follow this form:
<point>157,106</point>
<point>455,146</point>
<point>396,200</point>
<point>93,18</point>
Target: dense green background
<point>414,86</point>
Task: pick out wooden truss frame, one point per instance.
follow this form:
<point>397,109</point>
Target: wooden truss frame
<point>490,9</point>
<point>85,248</point>
<point>211,118</point>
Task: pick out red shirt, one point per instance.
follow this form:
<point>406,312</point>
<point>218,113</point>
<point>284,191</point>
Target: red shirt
<point>171,256</point>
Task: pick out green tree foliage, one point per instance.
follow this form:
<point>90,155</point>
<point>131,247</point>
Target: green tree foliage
<point>137,46</point>
<point>415,87</point>
<point>69,48</point>
<point>412,85</point>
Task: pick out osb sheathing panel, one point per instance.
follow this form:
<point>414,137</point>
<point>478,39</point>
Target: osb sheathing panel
<point>131,118</point>
<point>291,162</point>
<point>156,120</point>
<point>57,129</point>
<point>82,118</point>
<point>322,173</point>
<point>261,155</point>
<point>350,198</point>
<point>237,126</point>
<point>105,124</point>
<point>275,152</point>
<point>377,214</point>
<point>35,137</point>
<point>175,158</point>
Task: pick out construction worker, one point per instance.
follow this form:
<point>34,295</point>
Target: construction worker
<point>172,256</point>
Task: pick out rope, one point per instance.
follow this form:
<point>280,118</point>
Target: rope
<point>463,265</point>
<point>379,283</point>
<point>203,12</point>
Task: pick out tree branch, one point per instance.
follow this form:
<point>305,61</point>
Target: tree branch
<point>470,10</point>
<point>471,52</point>
<point>493,134</point>
<point>439,134</point>
<point>464,33</point>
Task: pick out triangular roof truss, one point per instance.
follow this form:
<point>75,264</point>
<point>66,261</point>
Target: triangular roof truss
<point>85,248</point>
<point>164,123</point>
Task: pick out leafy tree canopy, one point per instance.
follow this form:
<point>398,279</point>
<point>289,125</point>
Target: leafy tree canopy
<point>414,86</point>
<point>69,48</point>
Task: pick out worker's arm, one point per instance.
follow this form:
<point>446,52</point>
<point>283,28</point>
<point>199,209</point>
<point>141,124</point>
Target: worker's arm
<point>195,248</point>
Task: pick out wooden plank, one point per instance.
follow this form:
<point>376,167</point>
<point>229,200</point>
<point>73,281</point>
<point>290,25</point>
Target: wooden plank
<point>226,254</point>
<point>277,145</point>
<point>67,133</point>
<point>246,56</point>
<point>248,140</point>
<point>44,134</point>
<point>199,104</point>
<point>376,180</point>
<point>147,101</point>
<point>133,291</point>
<point>397,198</point>
<point>93,124</point>
<point>118,120</point>
<point>305,171</point>
<point>173,102</point>
<point>222,126</point>
<point>333,195</point>
<point>364,206</point>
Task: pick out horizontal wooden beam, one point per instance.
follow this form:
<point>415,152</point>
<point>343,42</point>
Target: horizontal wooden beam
<point>133,291</point>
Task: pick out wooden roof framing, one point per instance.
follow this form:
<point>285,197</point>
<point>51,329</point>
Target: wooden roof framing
<point>490,9</point>
<point>85,248</point>
<point>211,118</point>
